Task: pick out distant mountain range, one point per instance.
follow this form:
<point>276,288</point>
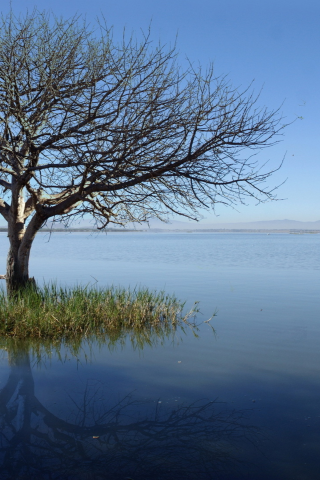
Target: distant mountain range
<point>156,224</point>
<point>260,225</point>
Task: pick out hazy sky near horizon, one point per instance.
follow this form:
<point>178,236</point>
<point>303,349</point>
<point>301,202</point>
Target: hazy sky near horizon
<point>273,43</point>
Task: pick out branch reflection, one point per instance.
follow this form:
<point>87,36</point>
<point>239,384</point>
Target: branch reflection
<point>127,440</point>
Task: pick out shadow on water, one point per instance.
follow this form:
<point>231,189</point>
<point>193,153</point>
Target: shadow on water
<point>130,439</point>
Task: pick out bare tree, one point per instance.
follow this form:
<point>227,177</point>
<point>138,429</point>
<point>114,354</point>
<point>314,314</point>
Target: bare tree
<point>116,130</point>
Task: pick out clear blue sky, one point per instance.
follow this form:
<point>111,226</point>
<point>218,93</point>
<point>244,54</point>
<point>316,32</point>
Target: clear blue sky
<point>276,43</point>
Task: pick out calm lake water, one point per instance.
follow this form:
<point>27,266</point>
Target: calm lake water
<point>242,402</point>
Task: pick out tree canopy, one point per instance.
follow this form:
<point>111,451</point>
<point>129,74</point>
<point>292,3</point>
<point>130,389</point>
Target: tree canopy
<point>117,130</point>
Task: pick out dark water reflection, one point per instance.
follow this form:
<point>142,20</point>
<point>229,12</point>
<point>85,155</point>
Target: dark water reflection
<point>130,438</point>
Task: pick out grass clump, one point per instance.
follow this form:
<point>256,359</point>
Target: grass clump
<point>57,312</point>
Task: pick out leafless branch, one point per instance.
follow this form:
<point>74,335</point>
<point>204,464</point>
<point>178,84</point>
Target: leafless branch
<point>120,131</point>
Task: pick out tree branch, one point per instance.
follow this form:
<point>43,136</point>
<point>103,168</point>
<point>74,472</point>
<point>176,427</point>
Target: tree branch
<point>4,209</point>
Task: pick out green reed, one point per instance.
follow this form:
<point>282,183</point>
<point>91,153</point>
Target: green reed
<point>58,312</point>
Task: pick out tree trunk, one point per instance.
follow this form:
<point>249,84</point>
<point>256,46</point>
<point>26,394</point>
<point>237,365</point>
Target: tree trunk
<point>21,239</point>
<point>17,276</point>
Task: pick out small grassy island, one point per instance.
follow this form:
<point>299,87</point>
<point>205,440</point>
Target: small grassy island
<point>57,312</point>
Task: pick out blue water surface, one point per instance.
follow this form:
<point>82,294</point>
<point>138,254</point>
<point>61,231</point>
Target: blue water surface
<point>239,402</point>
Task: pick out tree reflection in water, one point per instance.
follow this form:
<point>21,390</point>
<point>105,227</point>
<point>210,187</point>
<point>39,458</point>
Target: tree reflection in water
<point>129,440</point>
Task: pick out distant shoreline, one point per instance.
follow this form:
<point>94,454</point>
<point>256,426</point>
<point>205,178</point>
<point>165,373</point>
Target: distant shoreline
<point>161,230</point>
